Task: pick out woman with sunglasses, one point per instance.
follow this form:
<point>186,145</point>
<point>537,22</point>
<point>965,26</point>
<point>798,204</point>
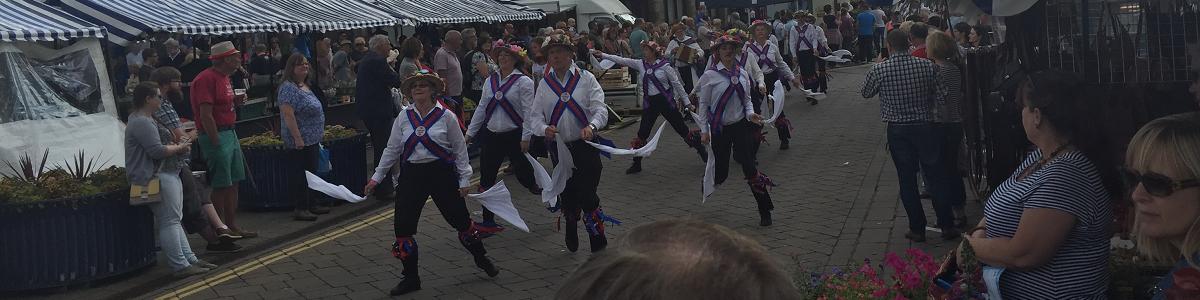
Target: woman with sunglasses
<point>428,143</point>
<point>1045,232</point>
<point>1162,172</point>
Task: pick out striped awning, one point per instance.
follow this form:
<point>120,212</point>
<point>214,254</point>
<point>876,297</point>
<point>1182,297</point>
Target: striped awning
<point>28,20</point>
<point>126,20</point>
<point>459,11</point>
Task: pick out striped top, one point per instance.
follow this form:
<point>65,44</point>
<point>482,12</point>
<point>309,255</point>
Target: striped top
<point>948,105</point>
<point>1069,183</point>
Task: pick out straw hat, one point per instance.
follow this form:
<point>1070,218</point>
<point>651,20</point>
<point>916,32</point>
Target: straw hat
<point>754,25</point>
<point>557,40</point>
<point>658,49</point>
<point>223,50</point>
<point>729,37</point>
<point>512,49</point>
<point>439,86</point>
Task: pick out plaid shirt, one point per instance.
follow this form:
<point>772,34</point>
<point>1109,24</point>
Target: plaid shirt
<point>166,115</point>
<point>906,86</point>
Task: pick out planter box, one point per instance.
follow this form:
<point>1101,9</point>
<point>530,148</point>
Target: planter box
<point>273,174</point>
<point>70,241</point>
<point>348,156</point>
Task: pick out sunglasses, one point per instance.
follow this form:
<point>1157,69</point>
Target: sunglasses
<point>1156,184</point>
<point>421,85</point>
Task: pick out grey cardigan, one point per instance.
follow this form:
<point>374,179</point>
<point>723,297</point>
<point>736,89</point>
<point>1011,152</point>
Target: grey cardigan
<point>145,150</point>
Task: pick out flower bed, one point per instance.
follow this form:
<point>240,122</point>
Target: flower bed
<point>915,276</point>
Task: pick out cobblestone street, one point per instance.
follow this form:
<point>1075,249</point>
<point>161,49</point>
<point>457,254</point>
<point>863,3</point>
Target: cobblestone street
<point>837,204</point>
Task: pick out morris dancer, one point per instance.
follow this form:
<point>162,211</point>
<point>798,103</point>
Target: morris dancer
<point>676,47</point>
<point>428,143</point>
<point>806,40</point>
<point>773,68</point>
<point>729,122</point>
<point>663,94</point>
<point>569,104</point>
<point>507,95</point>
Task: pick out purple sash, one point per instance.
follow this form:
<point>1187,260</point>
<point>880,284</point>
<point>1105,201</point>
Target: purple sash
<point>716,115</point>
<point>420,136</point>
<point>569,104</point>
<point>648,78</point>
<point>502,101</point>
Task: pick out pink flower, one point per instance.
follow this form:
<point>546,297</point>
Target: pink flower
<point>895,262</point>
<point>867,270</point>
<point>880,293</point>
<point>911,279</point>
<point>899,297</point>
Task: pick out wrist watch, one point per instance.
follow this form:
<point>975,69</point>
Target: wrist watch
<point>593,127</point>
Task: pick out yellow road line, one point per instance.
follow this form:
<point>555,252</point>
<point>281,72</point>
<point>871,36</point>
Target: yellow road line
<point>260,262</point>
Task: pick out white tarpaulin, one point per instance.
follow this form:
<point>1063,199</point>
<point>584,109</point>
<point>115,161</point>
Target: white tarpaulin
<point>336,191</point>
<point>644,151</point>
<point>96,130</point>
<point>498,200</point>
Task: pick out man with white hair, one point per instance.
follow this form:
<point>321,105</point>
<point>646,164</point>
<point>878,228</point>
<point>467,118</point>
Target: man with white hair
<point>446,63</point>
<point>173,56</point>
<point>373,92</point>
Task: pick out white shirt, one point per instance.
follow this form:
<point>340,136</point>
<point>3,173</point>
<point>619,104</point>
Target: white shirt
<point>587,93</point>
<point>879,14</point>
<point>676,43</point>
<point>520,95</point>
<point>811,32</point>
<point>132,58</point>
<point>787,32</point>
<point>712,84</point>
<point>751,67</point>
<point>780,27</point>
<point>445,132</point>
<point>769,49</point>
<point>667,76</point>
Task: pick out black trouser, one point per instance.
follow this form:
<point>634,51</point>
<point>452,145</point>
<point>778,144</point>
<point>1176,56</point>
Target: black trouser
<point>822,77</point>
<point>782,125</point>
<point>308,158</point>
<point>807,63</point>
<point>419,181</point>
<point>918,147</point>
<point>580,192</point>
<point>685,75</point>
<point>740,139</point>
<point>952,134</point>
<point>866,46</point>
<point>381,131</point>
<point>660,105</point>
<point>496,148</point>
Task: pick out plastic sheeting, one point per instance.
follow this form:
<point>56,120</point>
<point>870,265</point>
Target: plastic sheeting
<point>36,116</point>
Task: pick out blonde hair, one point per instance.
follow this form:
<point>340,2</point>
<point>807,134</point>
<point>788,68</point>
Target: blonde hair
<point>1176,139</point>
<point>940,45</point>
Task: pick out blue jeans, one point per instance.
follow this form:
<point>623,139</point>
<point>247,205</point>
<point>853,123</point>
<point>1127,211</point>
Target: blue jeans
<point>168,214</point>
<point>919,147</point>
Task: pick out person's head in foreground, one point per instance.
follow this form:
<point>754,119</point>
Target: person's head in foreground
<point>1162,172</point>
<point>680,259</point>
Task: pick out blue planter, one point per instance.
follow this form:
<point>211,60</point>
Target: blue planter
<point>348,156</point>
<point>273,174</point>
<point>70,241</point>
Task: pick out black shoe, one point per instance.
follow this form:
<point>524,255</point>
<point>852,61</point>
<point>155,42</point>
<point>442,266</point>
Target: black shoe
<point>635,168</point>
<point>598,242</point>
<point>486,265</point>
<point>784,145</point>
<point>764,218</point>
<point>224,247</point>
<point>915,237</point>
<point>407,285</point>
<point>950,234</point>
<point>303,215</point>
<point>319,210</point>
<point>572,235</point>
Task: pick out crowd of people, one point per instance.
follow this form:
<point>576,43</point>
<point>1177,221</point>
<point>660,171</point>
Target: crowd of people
<point>1048,223</point>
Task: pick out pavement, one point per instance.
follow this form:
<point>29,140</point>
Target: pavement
<point>836,205</point>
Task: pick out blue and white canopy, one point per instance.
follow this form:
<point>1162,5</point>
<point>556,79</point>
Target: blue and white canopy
<point>458,11</point>
<point>28,20</point>
<point>128,19</point>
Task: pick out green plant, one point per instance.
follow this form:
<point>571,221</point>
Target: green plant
<point>262,140</point>
<point>333,132</point>
<point>26,170</point>
<point>80,167</point>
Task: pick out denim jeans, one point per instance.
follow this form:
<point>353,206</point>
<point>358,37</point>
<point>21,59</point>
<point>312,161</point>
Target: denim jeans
<point>168,215</point>
<point>919,147</point>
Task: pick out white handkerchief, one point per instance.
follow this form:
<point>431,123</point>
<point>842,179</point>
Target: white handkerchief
<point>562,172</point>
<point>710,171</point>
<point>339,191</point>
<point>842,52</point>
<point>644,151</point>
<point>833,58</point>
<point>498,200</point>
<point>540,175</point>
<point>812,94</point>
<point>606,64</point>
<point>777,97</point>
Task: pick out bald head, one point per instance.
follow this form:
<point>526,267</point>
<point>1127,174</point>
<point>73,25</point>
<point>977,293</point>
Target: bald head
<point>453,39</point>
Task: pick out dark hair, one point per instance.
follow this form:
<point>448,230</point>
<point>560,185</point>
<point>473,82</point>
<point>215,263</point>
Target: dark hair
<point>898,39</point>
<point>938,22</point>
<point>985,34</point>
<point>1071,109</point>
<point>148,52</point>
<point>962,28</point>
<point>827,8</point>
<point>289,69</point>
<point>914,18</point>
<point>918,30</point>
<point>142,91</point>
<point>165,75</point>
<point>411,49</point>
<point>680,259</point>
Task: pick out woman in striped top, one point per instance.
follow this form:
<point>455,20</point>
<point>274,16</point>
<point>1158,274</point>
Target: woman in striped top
<point>948,114</point>
<point>1045,230</point>
<point>1162,172</point>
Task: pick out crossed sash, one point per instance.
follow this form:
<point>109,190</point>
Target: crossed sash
<point>648,76</point>
<point>420,136</point>
<point>500,99</point>
<point>717,114</point>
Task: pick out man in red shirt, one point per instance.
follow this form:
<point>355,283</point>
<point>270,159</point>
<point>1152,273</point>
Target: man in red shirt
<point>213,101</point>
<point>916,36</point>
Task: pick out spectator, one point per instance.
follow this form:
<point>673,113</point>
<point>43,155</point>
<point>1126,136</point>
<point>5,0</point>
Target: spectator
<point>571,26</point>
<point>537,58</point>
<point>470,40</point>
<point>321,73</point>
<point>680,259</point>
<point>133,59</point>
<point>449,69</point>
<point>149,63</point>
<point>832,34</point>
<point>866,35</point>
<point>510,33</point>
<point>906,86</point>
<point>847,28</point>
<point>342,72</point>
<point>961,33</point>
<point>213,99</point>
<point>950,81</point>
<point>735,22</point>
<point>360,51</point>
<point>917,32</point>
<point>636,37</point>
<point>880,27</point>
<point>276,52</point>
<point>1162,175</point>
<point>173,56</point>
<point>373,92</point>
<point>302,126</point>
<point>939,23</point>
<point>1047,227</point>
<point>481,67</point>
<point>199,213</point>
<point>981,35</point>
<point>410,54</point>
<point>151,155</point>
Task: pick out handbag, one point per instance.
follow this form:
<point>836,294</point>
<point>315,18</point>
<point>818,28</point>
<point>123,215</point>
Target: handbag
<point>149,193</point>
